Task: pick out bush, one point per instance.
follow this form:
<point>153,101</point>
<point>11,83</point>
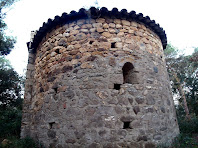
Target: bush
<point>184,141</point>
<point>188,126</point>
<point>188,137</point>
<point>22,143</point>
<point>10,122</point>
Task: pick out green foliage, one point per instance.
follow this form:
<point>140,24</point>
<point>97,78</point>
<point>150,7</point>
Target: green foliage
<point>4,63</point>
<point>22,143</point>
<point>186,126</point>
<point>186,70</point>
<point>183,71</point>
<point>10,100</point>
<point>170,51</point>
<point>6,42</point>
<point>6,3</point>
<point>10,122</point>
<point>10,88</point>
<point>184,141</point>
<point>188,137</point>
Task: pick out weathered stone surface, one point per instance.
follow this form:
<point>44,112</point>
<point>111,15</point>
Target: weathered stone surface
<point>139,99</point>
<point>136,109</point>
<point>106,34</point>
<point>85,30</point>
<point>131,100</point>
<point>100,30</point>
<point>62,42</point>
<point>80,93</point>
<point>150,100</point>
<point>118,45</point>
<point>86,65</point>
<point>105,26</point>
<point>149,110</point>
<point>74,32</point>
<point>127,23</point>
<point>96,25</point>
<point>117,21</point>
<point>100,20</point>
<point>118,26</point>
<point>51,134</point>
<point>127,118</point>
<point>119,110</point>
<point>70,141</point>
<point>120,34</point>
<point>67,68</point>
<point>91,58</point>
<point>157,137</point>
<point>112,62</point>
<point>135,145</point>
<point>142,138</point>
<point>112,25</point>
<point>92,29</point>
<point>150,145</point>
<point>80,36</point>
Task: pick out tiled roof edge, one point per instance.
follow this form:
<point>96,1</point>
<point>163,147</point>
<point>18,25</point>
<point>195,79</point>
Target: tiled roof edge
<point>96,13</point>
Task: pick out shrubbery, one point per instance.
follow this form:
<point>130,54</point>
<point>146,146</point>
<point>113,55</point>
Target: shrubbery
<point>188,137</point>
<point>10,122</point>
<point>21,143</point>
<point>185,141</point>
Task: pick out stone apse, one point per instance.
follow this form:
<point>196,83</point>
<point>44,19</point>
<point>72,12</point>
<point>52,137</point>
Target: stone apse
<point>97,78</point>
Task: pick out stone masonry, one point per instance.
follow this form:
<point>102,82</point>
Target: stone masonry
<point>97,83</point>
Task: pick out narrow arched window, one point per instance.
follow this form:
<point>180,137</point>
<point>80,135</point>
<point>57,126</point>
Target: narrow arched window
<point>129,74</point>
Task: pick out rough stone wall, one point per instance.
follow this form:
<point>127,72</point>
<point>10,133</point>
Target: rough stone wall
<point>76,95</point>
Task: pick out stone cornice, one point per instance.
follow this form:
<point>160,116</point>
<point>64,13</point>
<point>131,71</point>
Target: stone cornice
<point>95,13</point>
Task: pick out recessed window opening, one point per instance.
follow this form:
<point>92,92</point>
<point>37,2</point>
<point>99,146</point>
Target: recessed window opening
<point>57,51</point>
<point>128,73</point>
<point>117,86</point>
<point>91,42</point>
<point>126,125</point>
<point>56,89</point>
<point>113,45</point>
<point>51,125</point>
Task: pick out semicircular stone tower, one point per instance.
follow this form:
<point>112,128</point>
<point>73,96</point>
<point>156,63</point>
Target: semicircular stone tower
<point>98,78</point>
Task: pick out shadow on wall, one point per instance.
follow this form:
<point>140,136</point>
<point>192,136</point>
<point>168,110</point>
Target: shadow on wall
<point>129,73</point>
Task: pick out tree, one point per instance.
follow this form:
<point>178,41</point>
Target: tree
<point>192,82</point>
<point>10,86</point>
<point>6,42</point>
<point>183,74</point>
<point>10,83</point>
<point>10,100</point>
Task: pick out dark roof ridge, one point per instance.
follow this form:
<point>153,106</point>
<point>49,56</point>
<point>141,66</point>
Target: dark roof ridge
<point>95,13</point>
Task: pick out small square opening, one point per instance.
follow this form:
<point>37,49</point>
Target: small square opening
<point>126,125</point>
<point>117,86</point>
<point>91,42</point>
<point>56,89</point>
<point>57,51</point>
<point>51,125</point>
<point>113,45</point>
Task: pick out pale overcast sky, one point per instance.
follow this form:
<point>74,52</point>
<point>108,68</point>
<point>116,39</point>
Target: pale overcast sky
<point>177,17</point>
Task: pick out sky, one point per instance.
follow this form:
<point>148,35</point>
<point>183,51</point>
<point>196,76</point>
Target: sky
<point>177,17</point>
